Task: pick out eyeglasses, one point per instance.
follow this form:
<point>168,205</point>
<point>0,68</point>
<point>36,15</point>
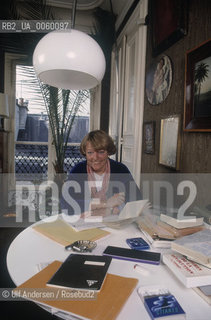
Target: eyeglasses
<point>99,152</point>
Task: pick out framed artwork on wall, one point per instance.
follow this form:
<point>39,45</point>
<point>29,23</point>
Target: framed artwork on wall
<point>197,106</point>
<point>170,142</point>
<point>158,80</point>
<point>169,23</point>
<point>149,137</point>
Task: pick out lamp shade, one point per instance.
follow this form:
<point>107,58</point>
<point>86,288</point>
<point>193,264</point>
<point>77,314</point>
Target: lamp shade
<point>69,59</point>
<point>4,106</point>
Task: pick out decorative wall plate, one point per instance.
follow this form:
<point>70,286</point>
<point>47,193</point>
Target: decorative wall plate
<point>158,80</point>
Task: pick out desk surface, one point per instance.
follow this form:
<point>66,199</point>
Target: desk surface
<point>30,248</point>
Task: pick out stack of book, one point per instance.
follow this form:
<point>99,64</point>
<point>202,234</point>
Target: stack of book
<point>155,234</point>
<point>191,263</point>
<point>161,231</point>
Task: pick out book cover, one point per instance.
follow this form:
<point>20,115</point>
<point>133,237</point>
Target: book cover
<point>115,292</point>
<point>164,307</point>
<point>160,303</point>
<point>191,274</point>
<point>186,221</point>
<point>133,255</point>
<point>83,272</point>
<point>196,246</point>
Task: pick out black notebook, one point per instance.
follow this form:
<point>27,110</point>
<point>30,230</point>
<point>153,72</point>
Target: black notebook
<point>82,272</point>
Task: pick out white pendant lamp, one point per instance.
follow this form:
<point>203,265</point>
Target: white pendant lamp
<point>69,59</point>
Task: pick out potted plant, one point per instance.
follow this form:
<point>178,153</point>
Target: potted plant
<point>62,106</point>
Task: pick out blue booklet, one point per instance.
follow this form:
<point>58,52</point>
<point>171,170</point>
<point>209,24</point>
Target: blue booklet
<point>161,304</point>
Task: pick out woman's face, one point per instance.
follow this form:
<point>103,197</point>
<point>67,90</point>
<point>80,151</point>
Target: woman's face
<point>96,159</point>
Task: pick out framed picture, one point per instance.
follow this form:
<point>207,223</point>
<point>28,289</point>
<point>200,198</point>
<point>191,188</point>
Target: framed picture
<point>169,23</point>
<point>158,80</point>
<point>170,142</point>
<point>149,137</point>
<point>197,108</point>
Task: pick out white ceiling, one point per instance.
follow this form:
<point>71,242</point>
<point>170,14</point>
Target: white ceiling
<point>120,7</point>
<point>81,4</point>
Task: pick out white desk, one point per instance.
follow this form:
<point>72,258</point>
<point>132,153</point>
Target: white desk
<point>30,248</point>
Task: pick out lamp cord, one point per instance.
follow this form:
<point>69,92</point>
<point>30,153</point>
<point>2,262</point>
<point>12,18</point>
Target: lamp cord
<point>73,14</point>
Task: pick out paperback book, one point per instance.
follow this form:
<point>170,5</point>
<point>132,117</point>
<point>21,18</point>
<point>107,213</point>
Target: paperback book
<point>186,221</point>
<point>178,233</point>
<point>160,303</point>
<point>190,273</point>
<point>158,236</point>
<point>196,246</point>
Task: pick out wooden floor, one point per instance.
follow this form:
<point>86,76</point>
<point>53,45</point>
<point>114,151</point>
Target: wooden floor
<point>15,309</point>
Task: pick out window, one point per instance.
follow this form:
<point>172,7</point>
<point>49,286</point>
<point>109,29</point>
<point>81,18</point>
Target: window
<point>32,132</point>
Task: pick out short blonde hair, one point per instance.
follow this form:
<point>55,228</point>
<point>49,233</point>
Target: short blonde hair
<point>100,140</point>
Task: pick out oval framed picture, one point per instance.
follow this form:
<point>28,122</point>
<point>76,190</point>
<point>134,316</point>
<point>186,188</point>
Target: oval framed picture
<point>158,80</point>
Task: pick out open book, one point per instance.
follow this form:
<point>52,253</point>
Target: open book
<point>130,213</point>
<point>62,232</point>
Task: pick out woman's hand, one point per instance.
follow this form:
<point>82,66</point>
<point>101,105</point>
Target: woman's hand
<point>111,206</point>
<point>116,200</point>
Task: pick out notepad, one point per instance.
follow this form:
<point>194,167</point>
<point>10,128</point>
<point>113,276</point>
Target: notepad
<point>115,292</point>
<point>62,232</point>
<point>81,271</point>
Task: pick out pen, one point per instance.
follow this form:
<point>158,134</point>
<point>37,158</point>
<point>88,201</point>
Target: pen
<point>141,270</point>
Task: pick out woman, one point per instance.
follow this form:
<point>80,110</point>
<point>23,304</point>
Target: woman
<point>109,183</point>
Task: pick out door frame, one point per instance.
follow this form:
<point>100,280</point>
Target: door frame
<point>135,25</point>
